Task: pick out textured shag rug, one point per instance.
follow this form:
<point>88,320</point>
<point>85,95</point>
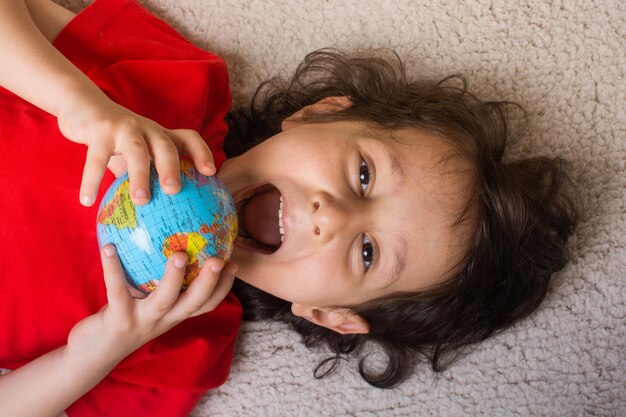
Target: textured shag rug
<point>564,61</point>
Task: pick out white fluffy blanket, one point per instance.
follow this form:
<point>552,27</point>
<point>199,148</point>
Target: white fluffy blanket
<point>564,61</point>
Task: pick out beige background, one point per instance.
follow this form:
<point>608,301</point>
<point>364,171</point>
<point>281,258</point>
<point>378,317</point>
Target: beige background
<point>564,61</point>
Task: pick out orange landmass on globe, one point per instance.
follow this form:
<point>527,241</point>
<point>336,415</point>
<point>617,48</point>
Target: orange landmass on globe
<point>120,211</point>
<point>193,245</point>
<point>187,168</point>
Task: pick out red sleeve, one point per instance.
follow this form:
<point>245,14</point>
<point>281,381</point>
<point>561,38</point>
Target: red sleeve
<point>145,65</point>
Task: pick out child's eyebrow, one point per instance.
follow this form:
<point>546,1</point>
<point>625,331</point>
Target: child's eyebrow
<point>399,265</point>
<point>391,160</point>
<point>393,163</point>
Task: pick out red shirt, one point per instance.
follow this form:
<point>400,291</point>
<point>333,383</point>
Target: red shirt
<point>50,271</point>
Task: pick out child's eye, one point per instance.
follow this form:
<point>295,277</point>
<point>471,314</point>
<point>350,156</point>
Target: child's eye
<point>364,175</point>
<point>368,253</point>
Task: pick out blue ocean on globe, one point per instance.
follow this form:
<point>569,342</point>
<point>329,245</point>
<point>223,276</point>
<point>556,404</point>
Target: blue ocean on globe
<point>200,220</point>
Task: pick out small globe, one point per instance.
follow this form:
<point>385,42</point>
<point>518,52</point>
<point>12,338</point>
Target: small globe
<point>200,220</point>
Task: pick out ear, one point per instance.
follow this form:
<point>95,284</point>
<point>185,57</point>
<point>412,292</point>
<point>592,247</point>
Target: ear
<point>341,320</point>
<point>324,106</point>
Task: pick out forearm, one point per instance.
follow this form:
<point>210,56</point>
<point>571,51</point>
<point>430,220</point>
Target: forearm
<point>55,380</point>
<point>32,68</point>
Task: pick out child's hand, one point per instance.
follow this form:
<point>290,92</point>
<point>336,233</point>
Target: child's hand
<point>109,129</point>
<point>126,323</point>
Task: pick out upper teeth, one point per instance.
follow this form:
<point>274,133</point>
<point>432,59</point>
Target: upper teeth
<point>281,229</point>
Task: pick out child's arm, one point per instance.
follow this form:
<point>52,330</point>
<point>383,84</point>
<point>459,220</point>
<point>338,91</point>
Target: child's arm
<point>34,70</point>
<point>49,384</point>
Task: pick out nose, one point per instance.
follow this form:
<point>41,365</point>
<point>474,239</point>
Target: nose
<point>330,216</point>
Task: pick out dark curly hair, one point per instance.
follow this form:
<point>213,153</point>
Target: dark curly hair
<point>525,210</point>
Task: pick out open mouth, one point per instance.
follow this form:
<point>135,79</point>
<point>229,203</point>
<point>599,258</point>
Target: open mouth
<point>259,213</point>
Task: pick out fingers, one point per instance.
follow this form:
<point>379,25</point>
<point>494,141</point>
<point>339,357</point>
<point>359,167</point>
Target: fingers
<point>135,151</point>
<point>200,288</point>
<point>137,145</point>
<point>225,283</point>
<point>163,146</point>
<point>95,165</point>
<point>196,147</point>
<point>166,161</point>
<point>166,304</point>
<point>167,292</point>
<point>114,278</point>
<point>207,290</point>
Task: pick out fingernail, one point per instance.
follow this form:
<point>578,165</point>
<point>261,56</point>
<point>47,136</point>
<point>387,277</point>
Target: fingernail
<point>109,250</point>
<point>179,263</point>
<point>141,193</point>
<point>172,182</point>
<point>86,200</point>
<point>216,269</point>
<point>210,166</point>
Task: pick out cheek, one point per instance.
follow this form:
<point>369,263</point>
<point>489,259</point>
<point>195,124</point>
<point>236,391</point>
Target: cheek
<point>317,281</point>
<point>299,155</point>
<point>312,280</point>
<point>301,277</point>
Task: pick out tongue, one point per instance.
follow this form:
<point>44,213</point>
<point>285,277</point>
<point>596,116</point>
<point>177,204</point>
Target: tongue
<point>261,217</point>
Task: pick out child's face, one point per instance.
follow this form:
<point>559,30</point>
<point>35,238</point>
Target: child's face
<point>329,225</point>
